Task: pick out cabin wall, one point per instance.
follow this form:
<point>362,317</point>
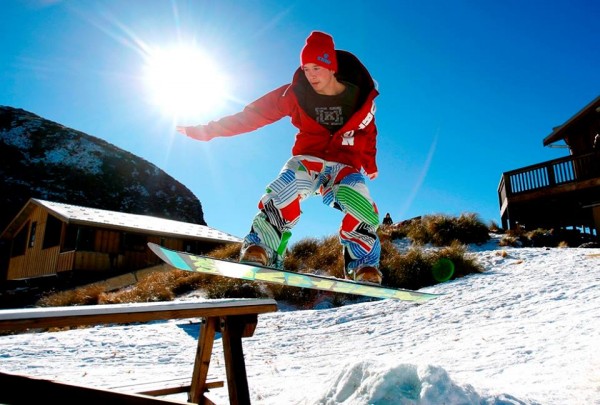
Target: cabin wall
<point>34,259</point>
<point>47,246</point>
<point>100,250</point>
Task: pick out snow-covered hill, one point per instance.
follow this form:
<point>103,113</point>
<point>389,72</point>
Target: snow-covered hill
<point>523,332</point>
<point>46,160</point>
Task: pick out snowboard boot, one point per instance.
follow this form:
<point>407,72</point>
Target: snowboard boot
<point>368,275</point>
<point>255,254</point>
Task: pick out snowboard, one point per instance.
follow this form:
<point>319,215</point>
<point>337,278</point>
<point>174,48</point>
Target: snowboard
<point>208,265</point>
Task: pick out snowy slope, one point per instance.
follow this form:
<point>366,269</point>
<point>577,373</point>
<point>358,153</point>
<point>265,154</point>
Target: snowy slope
<point>523,332</point>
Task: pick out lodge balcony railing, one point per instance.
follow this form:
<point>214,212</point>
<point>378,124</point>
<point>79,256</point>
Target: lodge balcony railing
<point>553,173</point>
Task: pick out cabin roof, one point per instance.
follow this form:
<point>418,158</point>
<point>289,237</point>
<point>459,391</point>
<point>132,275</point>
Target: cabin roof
<point>561,131</point>
<point>74,214</point>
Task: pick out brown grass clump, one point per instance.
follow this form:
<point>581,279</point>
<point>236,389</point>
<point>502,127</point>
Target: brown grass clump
<point>158,286</point>
<point>230,251</point>
<point>439,230</point>
<point>416,268</point>
<point>442,230</point>
<point>311,255</point>
<point>87,295</point>
<point>495,228</point>
<point>520,237</point>
<point>224,287</point>
<point>509,240</point>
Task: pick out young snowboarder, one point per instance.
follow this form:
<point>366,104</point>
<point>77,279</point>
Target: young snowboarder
<point>331,102</point>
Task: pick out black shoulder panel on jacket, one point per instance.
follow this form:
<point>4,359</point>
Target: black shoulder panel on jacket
<point>350,69</point>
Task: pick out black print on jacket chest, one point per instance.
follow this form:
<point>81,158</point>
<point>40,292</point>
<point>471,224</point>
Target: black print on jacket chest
<point>329,115</point>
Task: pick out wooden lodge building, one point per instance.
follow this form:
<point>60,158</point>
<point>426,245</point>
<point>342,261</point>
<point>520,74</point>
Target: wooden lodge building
<point>87,244</point>
<point>562,193</point>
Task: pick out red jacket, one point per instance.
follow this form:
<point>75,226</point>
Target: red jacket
<point>354,144</point>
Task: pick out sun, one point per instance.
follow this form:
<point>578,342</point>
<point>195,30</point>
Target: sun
<point>184,82</point>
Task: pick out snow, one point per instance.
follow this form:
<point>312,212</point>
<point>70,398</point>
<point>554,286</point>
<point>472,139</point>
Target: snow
<point>523,332</point>
<point>17,137</point>
<point>78,152</point>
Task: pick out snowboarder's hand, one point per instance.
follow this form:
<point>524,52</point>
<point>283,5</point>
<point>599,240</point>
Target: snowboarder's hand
<point>372,176</point>
<point>195,133</point>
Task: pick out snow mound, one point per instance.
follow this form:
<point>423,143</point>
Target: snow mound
<point>368,382</point>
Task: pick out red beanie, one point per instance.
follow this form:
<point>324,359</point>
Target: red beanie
<point>319,49</point>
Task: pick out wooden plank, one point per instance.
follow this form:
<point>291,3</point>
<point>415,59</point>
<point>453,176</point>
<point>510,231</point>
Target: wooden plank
<point>36,318</point>
<point>235,366</point>
<point>159,391</point>
<point>202,361</point>
<point>28,390</point>
<point>166,387</point>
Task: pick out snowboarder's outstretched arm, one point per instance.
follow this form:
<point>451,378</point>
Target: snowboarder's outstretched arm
<point>266,110</point>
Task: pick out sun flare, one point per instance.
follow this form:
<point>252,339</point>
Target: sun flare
<point>184,82</point>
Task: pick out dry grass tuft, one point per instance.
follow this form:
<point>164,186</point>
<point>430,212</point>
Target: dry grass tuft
<point>439,230</point>
<point>87,295</point>
<point>314,256</point>
<point>414,268</point>
<point>230,251</point>
<point>519,237</point>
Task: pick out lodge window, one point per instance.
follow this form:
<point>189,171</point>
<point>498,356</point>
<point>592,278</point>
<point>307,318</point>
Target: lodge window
<point>20,242</point>
<point>52,232</point>
<point>135,242</point>
<point>70,238</point>
<point>32,234</point>
<point>85,238</point>
<point>79,238</point>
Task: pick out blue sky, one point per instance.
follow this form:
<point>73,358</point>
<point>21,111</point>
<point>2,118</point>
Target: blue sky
<point>469,89</point>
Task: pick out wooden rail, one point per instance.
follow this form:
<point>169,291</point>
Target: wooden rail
<point>235,319</point>
<point>548,174</point>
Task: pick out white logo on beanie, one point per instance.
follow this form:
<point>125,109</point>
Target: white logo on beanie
<point>324,58</point>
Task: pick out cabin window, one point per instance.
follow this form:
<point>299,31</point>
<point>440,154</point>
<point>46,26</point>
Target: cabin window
<point>70,238</point>
<point>20,242</point>
<point>52,232</point>
<point>85,239</point>
<point>135,242</point>
<point>79,238</point>
<point>32,234</point>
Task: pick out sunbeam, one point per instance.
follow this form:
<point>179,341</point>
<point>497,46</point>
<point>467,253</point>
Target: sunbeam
<point>415,190</point>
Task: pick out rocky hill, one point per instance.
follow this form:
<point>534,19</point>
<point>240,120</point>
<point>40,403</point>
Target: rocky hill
<point>46,160</point>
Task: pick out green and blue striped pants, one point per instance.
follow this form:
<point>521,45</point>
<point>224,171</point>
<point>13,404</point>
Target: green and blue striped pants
<point>341,186</point>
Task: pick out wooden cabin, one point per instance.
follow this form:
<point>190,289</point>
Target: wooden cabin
<point>55,239</point>
<point>562,193</point>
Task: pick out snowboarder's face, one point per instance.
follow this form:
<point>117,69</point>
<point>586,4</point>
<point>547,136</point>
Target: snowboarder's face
<point>322,80</point>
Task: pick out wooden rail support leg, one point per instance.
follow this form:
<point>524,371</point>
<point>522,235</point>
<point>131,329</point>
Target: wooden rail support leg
<point>233,329</point>
<point>203,354</point>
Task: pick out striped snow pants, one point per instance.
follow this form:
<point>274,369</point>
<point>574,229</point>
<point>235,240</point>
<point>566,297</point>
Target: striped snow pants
<point>341,186</point>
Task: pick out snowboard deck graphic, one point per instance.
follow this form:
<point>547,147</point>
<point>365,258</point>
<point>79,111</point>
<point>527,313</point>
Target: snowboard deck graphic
<point>208,265</point>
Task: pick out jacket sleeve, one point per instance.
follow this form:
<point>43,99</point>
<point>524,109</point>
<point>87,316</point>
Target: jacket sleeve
<point>369,153</point>
<point>269,108</point>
